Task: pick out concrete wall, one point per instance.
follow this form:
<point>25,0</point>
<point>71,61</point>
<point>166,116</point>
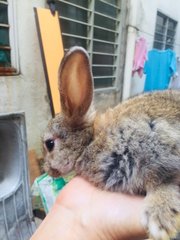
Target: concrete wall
<point>142,16</point>
<point>27,91</point>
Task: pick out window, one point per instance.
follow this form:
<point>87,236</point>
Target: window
<point>165,32</point>
<point>7,42</point>
<point>95,25</point>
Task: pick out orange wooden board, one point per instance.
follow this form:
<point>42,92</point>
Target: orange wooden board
<point>52,50</point>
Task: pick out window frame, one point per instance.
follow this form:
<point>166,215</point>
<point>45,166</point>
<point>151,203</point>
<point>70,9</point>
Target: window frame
<point>13,69</point>
<point>116,63</point>
<point>164,42</point>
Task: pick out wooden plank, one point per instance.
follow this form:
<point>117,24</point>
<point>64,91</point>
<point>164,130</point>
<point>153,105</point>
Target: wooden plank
<point>52,50</point>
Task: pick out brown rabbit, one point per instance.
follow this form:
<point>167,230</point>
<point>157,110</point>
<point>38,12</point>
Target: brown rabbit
<point>133,148</point>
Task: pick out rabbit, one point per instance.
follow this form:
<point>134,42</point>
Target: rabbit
<point>133,148</point>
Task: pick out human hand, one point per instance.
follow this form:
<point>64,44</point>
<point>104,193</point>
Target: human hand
<point>82,211</point>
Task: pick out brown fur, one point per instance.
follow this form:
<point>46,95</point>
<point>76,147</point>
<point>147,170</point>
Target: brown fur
<point>133,148</point>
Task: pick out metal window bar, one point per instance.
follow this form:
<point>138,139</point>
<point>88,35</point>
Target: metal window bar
<point>106,29</point>
<point>75,36</point>
<point>5,48</point>
<point>110,76</point>
<point>110,4</point>
<point>107,54</point>
<point>156,32</point>
<point>158,41</point>
<point>75,21</point>
<point>106,16</point>
<point>160,25</point>
<point>103,41</point>
<point>104,65</point>
<point>90,34</point>
<point>4,25</point>
<point>4,2</point>
<point>119,29</point>
<point>76,5</point>
<point>117,21</point>
<point>91,40</point>
<point>172,30</point>
<point>164,34</point>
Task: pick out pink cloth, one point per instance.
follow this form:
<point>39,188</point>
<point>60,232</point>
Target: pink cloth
<point>140,56</point>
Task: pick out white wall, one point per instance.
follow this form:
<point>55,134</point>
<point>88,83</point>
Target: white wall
<point>144,19</point>
<point>27,92</point>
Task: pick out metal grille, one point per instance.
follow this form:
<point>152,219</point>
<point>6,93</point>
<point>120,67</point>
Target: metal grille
<point>16,218</point>
<point>8,40</point>
<point>4,36</point>
<point>165,32</point>
<point>95,25</point>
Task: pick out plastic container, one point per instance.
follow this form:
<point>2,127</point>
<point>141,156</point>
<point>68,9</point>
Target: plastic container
<point>47,188</point>
<point>16,218</point>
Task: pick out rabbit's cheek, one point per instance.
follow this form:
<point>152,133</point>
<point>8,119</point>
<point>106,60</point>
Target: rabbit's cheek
<point>61,164</point>
<point>66,168</point>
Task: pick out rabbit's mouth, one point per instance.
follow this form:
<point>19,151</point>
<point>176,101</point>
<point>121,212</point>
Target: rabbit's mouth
<point>60,172</point>
<point>54,173</point>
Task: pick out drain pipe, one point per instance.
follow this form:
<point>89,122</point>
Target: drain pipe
<point>132,33</point>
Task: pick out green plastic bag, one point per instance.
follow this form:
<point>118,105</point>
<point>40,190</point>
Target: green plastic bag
<point>47,188</point>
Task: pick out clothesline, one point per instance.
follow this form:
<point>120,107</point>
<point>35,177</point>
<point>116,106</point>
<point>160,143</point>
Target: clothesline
<point>150,34</point>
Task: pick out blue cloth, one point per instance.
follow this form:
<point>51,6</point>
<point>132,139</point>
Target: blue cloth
<point>159,68</point>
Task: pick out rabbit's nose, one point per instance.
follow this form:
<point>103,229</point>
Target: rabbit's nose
<point>49,144</point>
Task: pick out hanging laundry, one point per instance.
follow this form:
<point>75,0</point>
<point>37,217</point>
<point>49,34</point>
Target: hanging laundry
<point>159,68</point>
<point>175,79</point>
<point>140,56</point>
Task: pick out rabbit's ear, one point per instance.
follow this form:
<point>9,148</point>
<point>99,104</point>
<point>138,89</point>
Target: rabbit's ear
<point>75,83</point>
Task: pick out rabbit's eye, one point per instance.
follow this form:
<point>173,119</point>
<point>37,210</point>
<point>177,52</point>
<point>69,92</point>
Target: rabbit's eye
<point>49,144</point>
